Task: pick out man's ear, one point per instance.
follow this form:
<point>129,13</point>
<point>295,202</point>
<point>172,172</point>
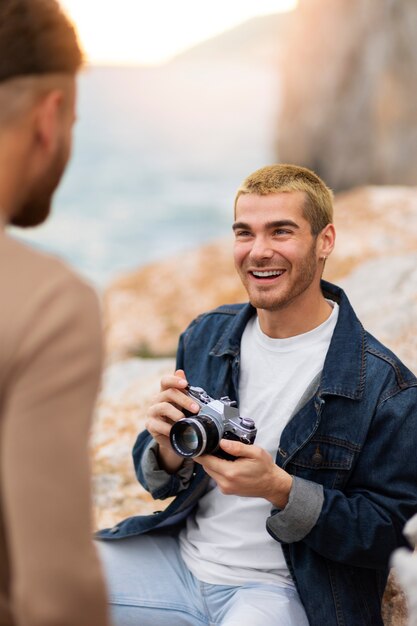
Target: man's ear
<point>47,119</point>
<point>326,241</point>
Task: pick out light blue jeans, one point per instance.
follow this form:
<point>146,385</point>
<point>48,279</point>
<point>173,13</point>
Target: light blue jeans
<point>150,585</point>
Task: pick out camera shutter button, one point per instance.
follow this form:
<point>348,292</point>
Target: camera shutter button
<point>247,422</point>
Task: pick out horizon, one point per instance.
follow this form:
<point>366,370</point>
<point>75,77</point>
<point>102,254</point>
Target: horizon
<point>140,39</point>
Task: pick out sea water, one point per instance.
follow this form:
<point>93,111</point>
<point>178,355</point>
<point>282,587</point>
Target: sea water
<point>158,155</point>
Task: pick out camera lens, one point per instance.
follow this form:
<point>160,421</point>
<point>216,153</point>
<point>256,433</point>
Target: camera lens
<point>193,436</point>
<point>189,439</point>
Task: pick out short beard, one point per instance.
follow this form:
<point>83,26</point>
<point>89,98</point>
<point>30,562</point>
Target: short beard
<point>307,272</point>
<point>33,213</point>
<point>37,207</point>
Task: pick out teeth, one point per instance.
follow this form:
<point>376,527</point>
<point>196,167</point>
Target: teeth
<point>266,274</point>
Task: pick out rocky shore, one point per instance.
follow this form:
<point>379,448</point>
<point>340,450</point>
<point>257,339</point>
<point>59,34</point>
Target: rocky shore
<point>375,261</point>
<point>127,390</point>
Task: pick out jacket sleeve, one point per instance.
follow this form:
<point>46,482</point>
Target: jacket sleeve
<point>152,477</point>
<point>362,525</point>
<point>45,469</point>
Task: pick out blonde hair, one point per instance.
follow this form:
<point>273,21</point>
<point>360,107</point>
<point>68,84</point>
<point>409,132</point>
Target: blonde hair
<point>282,177</point>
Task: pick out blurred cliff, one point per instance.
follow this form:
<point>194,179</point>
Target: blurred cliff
<point>256,41</point>
<point>349,85</point>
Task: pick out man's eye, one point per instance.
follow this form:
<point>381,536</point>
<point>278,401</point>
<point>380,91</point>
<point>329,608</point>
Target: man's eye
<point>282,231</point>
<point>242,233</point>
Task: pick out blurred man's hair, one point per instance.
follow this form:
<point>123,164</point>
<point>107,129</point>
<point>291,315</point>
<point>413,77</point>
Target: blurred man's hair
<point>36,39</point>
<point>318,206</point>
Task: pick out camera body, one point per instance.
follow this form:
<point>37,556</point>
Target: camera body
<point>199,434</point>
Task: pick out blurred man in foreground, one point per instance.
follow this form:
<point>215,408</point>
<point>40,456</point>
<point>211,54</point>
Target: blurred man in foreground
<point>50,357</point>
<point>300,527</point>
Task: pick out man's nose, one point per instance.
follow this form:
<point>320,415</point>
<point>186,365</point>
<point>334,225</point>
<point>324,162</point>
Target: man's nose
<point>261,248</point>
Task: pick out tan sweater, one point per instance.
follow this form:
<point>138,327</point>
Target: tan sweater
<point>50,362</point>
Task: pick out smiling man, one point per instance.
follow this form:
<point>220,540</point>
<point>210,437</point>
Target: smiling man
<point>299,528</point>
<point>280,259</point>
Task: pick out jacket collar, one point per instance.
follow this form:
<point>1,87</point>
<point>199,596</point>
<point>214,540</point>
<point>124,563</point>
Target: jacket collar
<point>344,367</point>
<point>229,342</point>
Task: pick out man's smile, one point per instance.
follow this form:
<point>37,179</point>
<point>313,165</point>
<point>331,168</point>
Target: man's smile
<point>266,275</point>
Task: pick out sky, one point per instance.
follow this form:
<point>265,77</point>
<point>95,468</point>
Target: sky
<point>151,32</point>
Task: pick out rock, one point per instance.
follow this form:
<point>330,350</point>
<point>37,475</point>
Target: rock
<point>126,393</point>
<point>394,605</point>
<point>405,564</point>
<point>349,79</point>
<point>410,531</point>
<point>145,311</point>
<point>375,259</point>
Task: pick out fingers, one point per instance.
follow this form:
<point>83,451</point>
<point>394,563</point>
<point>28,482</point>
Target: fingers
<point>254,474</point>
<point>166,409</point>
<point>160,418</point>
<point>172,391</point>
<point>236,448</point>
<point>176,380</point>
<point>224,473</point>
<point>168,406</point>
<point>158,427</point>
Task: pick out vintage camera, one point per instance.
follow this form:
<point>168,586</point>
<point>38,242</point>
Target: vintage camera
<point>200,434</point>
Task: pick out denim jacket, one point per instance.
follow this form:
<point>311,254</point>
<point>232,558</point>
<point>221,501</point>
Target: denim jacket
<point>350,446</point>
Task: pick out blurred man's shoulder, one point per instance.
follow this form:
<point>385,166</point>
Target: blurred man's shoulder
<point>42,300</point>
<point>35,280</point>
<point>21,264</point>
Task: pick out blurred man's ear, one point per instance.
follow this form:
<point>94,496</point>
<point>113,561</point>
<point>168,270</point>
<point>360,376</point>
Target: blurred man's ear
<point>47,120</point>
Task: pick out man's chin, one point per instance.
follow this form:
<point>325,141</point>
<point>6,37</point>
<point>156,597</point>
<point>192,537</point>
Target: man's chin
<point>270,302</point>
<point>29,217</point>
<point>266,304</point>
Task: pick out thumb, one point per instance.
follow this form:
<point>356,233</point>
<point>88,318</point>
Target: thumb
<point>236,448</point>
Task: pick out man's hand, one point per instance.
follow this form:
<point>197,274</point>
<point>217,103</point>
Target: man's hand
<point>253,474</point>
<point>167,409</point>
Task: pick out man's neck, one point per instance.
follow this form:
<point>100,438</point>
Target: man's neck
<point>13,173</point>
<point>294,319</point>
<point>4,213</point>
<point>4,208</point>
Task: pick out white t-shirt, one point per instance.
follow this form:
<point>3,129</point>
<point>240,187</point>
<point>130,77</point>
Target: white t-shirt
<point>226,541</point>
